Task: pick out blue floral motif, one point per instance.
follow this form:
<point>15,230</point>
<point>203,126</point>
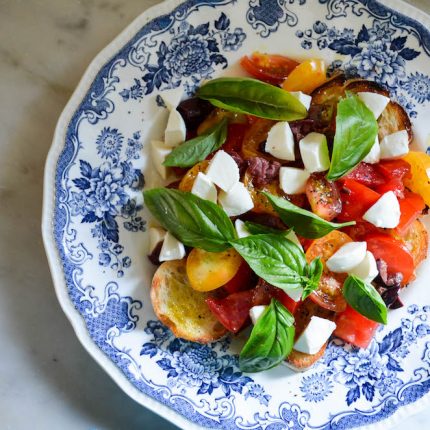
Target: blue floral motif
<point>316,387</point>
<point>192,54</point>
<point>265,16</point>
<point>135,92</point>
<point>103,196</point>
<point>198,366</point>
<point>368,372</point>
<point>378,53</point>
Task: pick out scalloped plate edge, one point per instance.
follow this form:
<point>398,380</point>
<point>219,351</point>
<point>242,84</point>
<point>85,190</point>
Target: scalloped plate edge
<point>57,274</point>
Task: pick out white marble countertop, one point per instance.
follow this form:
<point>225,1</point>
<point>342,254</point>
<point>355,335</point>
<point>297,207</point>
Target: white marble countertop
<point>47,380</point>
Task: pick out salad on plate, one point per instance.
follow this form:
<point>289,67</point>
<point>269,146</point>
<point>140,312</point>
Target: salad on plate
<point>292,205</point>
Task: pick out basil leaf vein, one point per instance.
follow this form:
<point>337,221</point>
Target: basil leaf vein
<point>253,97</point>
<point>356,130</point>
<point>364,298</point>
<point>192,151</point>
<point>303,222</point>
<point>194,221</point>
<point>276,259</point>
<point>255,228</point>
<point>271,340</point>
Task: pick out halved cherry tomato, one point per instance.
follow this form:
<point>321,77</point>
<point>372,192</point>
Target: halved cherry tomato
<point>410,208</point>
<point>323,196</point>
<point>366,174</point>
<point>244,279</point>
<point>306,77</point>
<point>361,229</point>
<point>268,67</point>
<point>235,135</point>
<point>354,328</point>
<point>356,200</point>
<point>187,181</point>
<point>394,252</point>
<point>207,271</point>
<point>329,293</point>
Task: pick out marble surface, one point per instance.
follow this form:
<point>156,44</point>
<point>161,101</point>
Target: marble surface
<point>47,380</point>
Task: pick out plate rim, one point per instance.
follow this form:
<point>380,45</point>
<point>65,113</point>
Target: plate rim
<point>48,206</point>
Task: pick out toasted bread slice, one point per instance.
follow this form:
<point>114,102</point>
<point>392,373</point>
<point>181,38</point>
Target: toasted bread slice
<point>325,99</point>
<point>299,361</point>
<point>181,308</point>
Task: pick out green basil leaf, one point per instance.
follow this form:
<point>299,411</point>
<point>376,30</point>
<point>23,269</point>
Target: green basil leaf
<point>192,151</point>
<point>253,97</point>
<point>274,258</point>
<point>194,221</point>
<point>255,228</point>
<point>271,340</point>
<point>356,130</point>
<point>303,222</point>
<point>315,270</point>
<point>363,297</point>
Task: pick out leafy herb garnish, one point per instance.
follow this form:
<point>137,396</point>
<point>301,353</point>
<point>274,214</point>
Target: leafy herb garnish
<point>253,97</point>
<point>356,130</point>
<point>363,297</point>
<point>303,222</point>
<point>192,151</point>
<point>271,340</point>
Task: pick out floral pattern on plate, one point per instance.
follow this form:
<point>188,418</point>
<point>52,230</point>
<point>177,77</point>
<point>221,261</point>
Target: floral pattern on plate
<point>95,229</point>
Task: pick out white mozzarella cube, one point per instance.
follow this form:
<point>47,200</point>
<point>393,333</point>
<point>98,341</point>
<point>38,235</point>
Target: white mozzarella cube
<point>375,102</point>
<point>314,152</point>
<point>303,98</point>
<point>347,256</point>
<point>223,171</point>
<point>172,249</point>
<point>294,294</point>
<point>395,145</point>
<point>315,335</point>
<point>159,152</point>
<point>280,141</point>
<point>204,188</point>
<point>293,237</point>
<point>385,212</point>
<point>156,236</point>
<point>241,229</point>
<point>367,269</point>
<point>255,312</point>
<point>176,131</point>
<point>172,97</point>
<point>293,180</point>
<point>374,155</point>
<point>236,201</point>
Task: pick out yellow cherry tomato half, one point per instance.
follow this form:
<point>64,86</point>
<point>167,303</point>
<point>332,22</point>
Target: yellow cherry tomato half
<point>419,181</point>
<point>210,270</point>
<point>306,77</point>
<point>187,181</point>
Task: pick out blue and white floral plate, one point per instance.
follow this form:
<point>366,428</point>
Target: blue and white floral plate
<point>94,219</point>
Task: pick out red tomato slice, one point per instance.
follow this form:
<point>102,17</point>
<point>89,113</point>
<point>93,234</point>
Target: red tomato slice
<point>394,168</point>
<point>232,311</point>
<point>285,299</point>
<point>366,174</point>
<point>395,184</point>
<point>393,252</point>
<point>243,280</point>
<point>361,229</point>
<point>410,208</point>
<point>354,328</point>
<point>268,67</point>
<point>235,134</point>
<point>356,199</point>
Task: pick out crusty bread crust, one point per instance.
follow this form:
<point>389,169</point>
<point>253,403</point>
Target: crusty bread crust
<point>181,308</point>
